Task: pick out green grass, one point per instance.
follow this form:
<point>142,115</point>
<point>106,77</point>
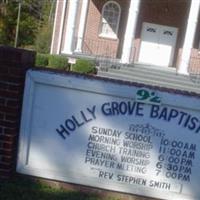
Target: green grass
<point>23,188</point>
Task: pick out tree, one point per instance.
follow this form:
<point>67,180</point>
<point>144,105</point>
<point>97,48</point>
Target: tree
<point>34,22</point>
<point>43,39</point>
<point>2,23</point>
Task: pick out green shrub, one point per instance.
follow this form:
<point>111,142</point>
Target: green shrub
<point>43,39</point>
<point>84,66</point>
<point>58,62</point>
<point>41,60</point>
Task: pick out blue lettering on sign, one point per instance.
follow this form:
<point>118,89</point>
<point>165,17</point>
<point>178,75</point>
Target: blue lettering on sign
<point>181,118</point>
<point>115,108</point>
<point>71,124</point>
<point>122,108</point>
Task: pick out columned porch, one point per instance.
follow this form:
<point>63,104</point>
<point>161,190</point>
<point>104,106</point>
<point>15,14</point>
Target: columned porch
<point>132,46</point>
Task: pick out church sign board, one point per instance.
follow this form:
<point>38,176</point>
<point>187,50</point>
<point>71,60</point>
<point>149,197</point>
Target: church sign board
<point>110,135</point>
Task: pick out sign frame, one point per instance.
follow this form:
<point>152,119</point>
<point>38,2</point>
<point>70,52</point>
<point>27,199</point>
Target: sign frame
<point>99,86</point>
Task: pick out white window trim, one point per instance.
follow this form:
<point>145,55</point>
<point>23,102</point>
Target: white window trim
<point>109,35</point>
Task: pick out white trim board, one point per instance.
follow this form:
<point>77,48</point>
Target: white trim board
<point>63,112</point>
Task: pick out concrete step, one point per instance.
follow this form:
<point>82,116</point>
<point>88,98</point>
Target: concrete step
<point>153,67</point>
<point>154,71</point>
<point>155,81</point>
<point>151,74</point>
<point>165,72</point>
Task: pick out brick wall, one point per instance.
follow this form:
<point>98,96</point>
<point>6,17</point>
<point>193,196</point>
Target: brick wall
<point>96,44</point>
<point>194,65</point>
<point>156,11</point>
<point>13,66</point>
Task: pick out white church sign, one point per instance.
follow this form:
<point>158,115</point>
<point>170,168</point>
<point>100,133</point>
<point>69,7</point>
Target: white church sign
<point>110,135</point>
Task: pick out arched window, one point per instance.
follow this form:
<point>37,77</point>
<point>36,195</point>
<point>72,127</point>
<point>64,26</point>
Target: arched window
<point>110,19</point>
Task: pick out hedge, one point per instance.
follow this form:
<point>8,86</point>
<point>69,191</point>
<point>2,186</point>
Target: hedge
<point>84,66</point>
<point>42,60</point>
<point>52,61</point>
<point>61,62</point>
<point>58,62</point>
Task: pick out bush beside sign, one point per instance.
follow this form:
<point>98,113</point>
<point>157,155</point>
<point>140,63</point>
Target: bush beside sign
<point>110,135</point>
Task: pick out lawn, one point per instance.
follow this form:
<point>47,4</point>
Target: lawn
<point>23,188</point>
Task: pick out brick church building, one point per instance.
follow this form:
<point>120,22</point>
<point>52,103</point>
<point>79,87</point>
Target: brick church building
<point>164,33</point>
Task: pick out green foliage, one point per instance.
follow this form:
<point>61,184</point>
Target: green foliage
<point>21,188</point>
<point>52,61</point>
<point>58,62</point>
<point>27,31</point>
<point>84,66</point>
<point>43,40</point>
<point>35,27</point>
<point>8,23</point>
<point>41,60</point>
<point>27,26</point>
<point>2,23</point>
